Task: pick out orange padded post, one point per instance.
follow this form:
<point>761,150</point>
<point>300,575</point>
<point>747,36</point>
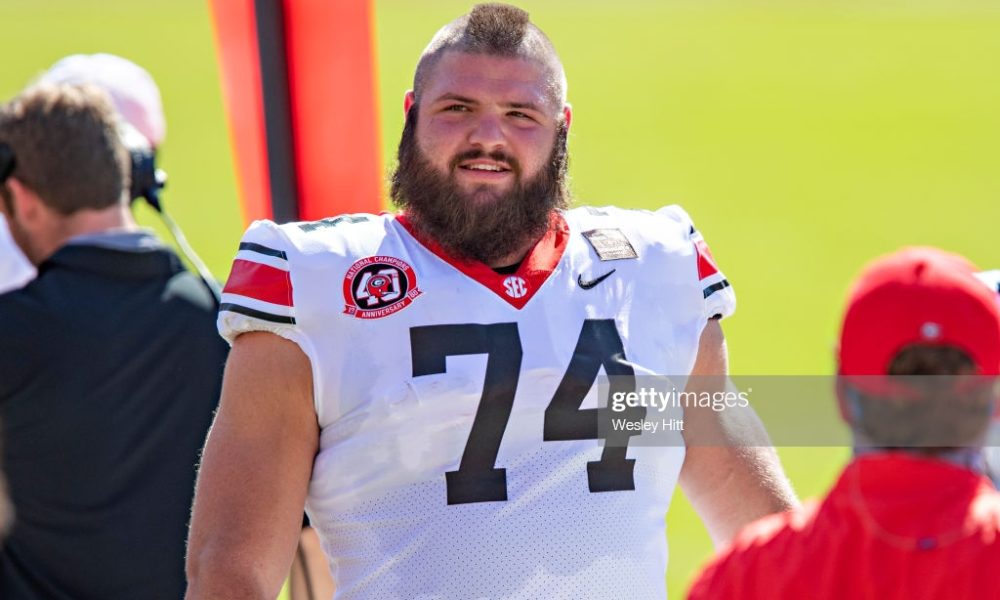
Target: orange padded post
<point>299,81</point>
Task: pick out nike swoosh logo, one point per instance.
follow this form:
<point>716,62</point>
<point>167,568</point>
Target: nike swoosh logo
<point>593,282</point>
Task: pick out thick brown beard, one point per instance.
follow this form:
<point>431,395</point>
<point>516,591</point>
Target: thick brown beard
<point>466,225</point>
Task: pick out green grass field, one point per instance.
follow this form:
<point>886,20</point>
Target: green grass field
<point>803,137</point>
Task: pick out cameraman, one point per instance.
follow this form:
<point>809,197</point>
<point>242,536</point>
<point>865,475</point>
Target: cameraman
<point>110,367</point>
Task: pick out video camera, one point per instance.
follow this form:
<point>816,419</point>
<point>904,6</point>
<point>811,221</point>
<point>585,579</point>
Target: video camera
<point>7,162</point>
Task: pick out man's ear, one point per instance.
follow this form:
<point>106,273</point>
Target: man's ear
<point>568,114</point>
<point>840,390</point>
<point>26,203</point>
<point>996,399</point>
<point>408,101</point>
<point>842,402</point>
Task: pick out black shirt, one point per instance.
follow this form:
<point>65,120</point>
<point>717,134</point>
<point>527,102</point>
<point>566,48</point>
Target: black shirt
<point>110,370</point>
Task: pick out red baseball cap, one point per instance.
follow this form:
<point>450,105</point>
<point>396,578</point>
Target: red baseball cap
<point>919,295</point>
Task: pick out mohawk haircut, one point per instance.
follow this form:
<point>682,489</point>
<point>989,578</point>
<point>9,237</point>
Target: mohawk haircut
<point>497,28</point>
<point>493,29</point>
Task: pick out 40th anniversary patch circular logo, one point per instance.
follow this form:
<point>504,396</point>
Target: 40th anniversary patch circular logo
<point>379,286</point>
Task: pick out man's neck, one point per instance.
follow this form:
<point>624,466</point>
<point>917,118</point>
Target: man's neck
<point>970,458</point>
<point>514,258</point>
<point>90,222</point>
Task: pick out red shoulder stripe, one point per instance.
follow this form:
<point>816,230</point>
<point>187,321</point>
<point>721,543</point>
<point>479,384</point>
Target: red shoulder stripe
<point>706,264</point>
<point>259,281</point>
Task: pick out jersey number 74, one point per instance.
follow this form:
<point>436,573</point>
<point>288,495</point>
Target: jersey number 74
<point>477,479</point>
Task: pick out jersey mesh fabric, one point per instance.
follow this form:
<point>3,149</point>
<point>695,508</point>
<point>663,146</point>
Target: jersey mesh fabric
<point>553,539</point>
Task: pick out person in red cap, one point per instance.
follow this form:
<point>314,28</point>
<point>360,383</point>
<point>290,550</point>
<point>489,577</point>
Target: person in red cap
<point>912,516</point>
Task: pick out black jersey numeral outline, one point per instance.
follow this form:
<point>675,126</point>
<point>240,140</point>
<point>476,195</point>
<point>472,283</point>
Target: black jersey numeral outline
<point>599,346</point>
<point>477,478</point>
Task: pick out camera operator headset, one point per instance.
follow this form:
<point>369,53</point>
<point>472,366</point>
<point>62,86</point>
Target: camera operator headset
<point>137,99</point>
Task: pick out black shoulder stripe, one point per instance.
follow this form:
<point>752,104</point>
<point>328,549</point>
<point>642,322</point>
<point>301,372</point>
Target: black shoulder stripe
<point>252,247</point>
<point>333,222</point>
<point>716,287</point>
<point>257,314</point>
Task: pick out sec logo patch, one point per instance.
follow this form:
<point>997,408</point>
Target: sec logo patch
<point>515,287</point>
<point>379,286</point>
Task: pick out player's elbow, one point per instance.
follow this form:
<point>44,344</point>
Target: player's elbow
<point>217,574</point>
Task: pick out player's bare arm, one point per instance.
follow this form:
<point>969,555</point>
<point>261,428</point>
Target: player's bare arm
<point>731,473</point>
<point>254,473</point>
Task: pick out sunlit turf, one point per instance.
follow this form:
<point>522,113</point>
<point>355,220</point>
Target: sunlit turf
<point>803,138</point>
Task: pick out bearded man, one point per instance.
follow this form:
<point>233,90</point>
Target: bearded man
<point>424,382</point>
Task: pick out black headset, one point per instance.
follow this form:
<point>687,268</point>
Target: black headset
<point>147,180</point>
<point>7,162</point>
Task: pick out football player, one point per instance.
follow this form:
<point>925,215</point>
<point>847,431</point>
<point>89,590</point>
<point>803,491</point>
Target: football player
<point>425,381</point>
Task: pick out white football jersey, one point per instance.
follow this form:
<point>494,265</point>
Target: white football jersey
<point>991,279</point>
<point>15,270</point>
<point>459,453</point>
<point>992,451</point>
